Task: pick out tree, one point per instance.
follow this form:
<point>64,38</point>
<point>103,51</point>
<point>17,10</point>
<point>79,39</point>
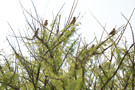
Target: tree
<point>54,60</point>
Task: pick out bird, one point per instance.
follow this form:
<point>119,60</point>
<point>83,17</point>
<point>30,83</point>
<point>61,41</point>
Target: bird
<point>92,46</point>
<point>45,23</point>
<point>1,69</point>
<point>36,33</point>
<point>73,20</point>
<point>112,32</point>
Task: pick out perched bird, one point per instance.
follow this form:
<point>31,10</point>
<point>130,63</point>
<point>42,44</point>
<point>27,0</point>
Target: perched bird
<point>36,33</point>
<point>112,32</point>
<point>92,46</point>
<point>73,21</point>
<point>1,69</point>
<point>45,23</point>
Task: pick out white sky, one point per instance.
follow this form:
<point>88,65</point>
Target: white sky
<point>106,11</point>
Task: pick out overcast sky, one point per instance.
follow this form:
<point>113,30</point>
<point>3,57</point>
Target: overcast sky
<point>106,11</point>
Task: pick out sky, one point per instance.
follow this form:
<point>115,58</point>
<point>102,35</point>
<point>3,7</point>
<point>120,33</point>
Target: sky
<point>108,12</point>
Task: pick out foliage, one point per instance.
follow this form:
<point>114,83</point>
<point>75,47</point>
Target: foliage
<point>54,60</point>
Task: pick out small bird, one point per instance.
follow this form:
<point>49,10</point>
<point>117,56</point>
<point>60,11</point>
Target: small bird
<point>112,32</point>
<point>92,46</point>
<point>73,21</point>
<point>1,69</point>
<point>45,23</point>
<point>36,33</point>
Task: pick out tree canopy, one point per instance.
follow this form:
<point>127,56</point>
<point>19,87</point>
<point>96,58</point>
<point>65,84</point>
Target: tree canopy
<point>59,59</point>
